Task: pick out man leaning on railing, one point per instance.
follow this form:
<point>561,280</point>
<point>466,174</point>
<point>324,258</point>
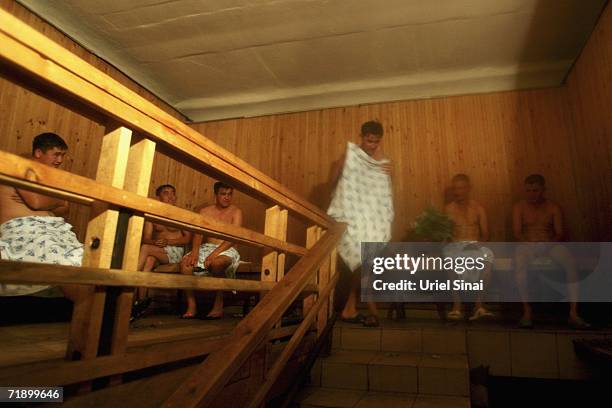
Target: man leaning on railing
<point>32,225</point>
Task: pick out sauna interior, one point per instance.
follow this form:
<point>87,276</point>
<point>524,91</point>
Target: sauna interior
<point>263,97</point>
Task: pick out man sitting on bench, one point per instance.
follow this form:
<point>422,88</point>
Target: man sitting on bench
<point>470,227</point>
<point>214,257</point>
<point>538,222</point>
<point>32,225</point>
<point>160,244</point>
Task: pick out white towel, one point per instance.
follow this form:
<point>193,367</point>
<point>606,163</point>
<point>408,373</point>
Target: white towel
<point>38,239</point>
<point>364,200</point>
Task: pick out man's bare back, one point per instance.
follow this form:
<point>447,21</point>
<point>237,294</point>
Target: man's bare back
<point>467,218</point>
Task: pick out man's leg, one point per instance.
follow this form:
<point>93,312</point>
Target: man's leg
<point>522,257</point>
<point>350,307</point>
<point>149,256</point>
<point>455,312</point>
<point>565,259</point>
<point>218,267</point>
<point>148,266</point>
<point>192,309</point>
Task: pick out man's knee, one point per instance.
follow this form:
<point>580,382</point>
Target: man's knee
<point>146,249</point>
<point>220,264</point>
<point>560,254</point>
<point>185,268</point>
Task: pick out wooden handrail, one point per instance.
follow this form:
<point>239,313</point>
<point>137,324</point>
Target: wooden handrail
<point>207,380</point>
<point>29,273</point>
<point>29,53</point>
<point>41,57</point>
<point>305,325</point>
<point>13,170</point>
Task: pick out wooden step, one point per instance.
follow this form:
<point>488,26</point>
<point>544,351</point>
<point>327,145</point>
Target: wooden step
<point>415,373</point>
<point>429,336</point>
<point>333,397</point>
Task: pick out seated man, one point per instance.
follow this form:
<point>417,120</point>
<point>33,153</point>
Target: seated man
<point>215,257</point>
<point>161,244</point>
<point>538,220</point>
<point>470,227</point>
<point>32,228</point>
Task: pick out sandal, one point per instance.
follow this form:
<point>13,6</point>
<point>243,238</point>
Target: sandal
<point>357,319</point>
<point>578,324</point>
<point>455,315</point>
<point>371,321</point>
<point>480,312</point>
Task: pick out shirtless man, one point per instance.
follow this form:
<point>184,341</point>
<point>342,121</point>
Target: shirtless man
<point>470,227</point>
<point>215,257</point>
<point>161,244</point>
<point>371,136</point>
<point>539,221</point>
<point>32,228</point>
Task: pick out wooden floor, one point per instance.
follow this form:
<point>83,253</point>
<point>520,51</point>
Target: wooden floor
<point>21,344</point>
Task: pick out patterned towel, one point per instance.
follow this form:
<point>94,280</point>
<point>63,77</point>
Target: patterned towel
<point>364,200</point>
<point>208,248</point>
<point>38,239</point>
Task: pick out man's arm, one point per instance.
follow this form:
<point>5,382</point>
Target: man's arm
<point>557,223</point>
<point>517,222</point>
<point>147,233</point>
<point>41,202</point>
<point>225,245</point>
<point>483,223</point>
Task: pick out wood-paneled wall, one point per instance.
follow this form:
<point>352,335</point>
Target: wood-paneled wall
<point>589,89</point>
<point>498,139</point>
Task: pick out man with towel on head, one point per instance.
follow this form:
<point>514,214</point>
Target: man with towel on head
<point>32,228</point>
<point>363,199</point>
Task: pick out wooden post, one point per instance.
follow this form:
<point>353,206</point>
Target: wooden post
<point>273,263</point>
<point>88,309</point>
<point>313,234</point>
<point>137,180</point>
<point>333,258</point>
<point>324,277</point>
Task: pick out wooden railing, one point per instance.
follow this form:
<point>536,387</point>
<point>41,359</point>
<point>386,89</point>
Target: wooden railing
<point>120,186</point>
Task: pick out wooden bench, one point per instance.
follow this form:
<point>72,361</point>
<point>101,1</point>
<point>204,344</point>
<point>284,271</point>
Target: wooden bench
<point>169,300</point>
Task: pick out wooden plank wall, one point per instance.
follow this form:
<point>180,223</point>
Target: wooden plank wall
<point>496,138</point>
<point>589,88</point>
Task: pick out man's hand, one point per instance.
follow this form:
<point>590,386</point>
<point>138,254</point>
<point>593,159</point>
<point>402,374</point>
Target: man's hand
<point>161,242</point>
<point>387,167</point>
<point>208,261</point>
<point>191,258</point>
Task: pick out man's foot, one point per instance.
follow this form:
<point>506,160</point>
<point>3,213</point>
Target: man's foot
<point>189,315</point>
<point>578,323</point>
<point>525,323</point>
<point>356,319</point>
<point>139,308</point>
<point>455,315</point>
<point>480,313</point>
<point>213,317</point>
<point>371,321</point>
